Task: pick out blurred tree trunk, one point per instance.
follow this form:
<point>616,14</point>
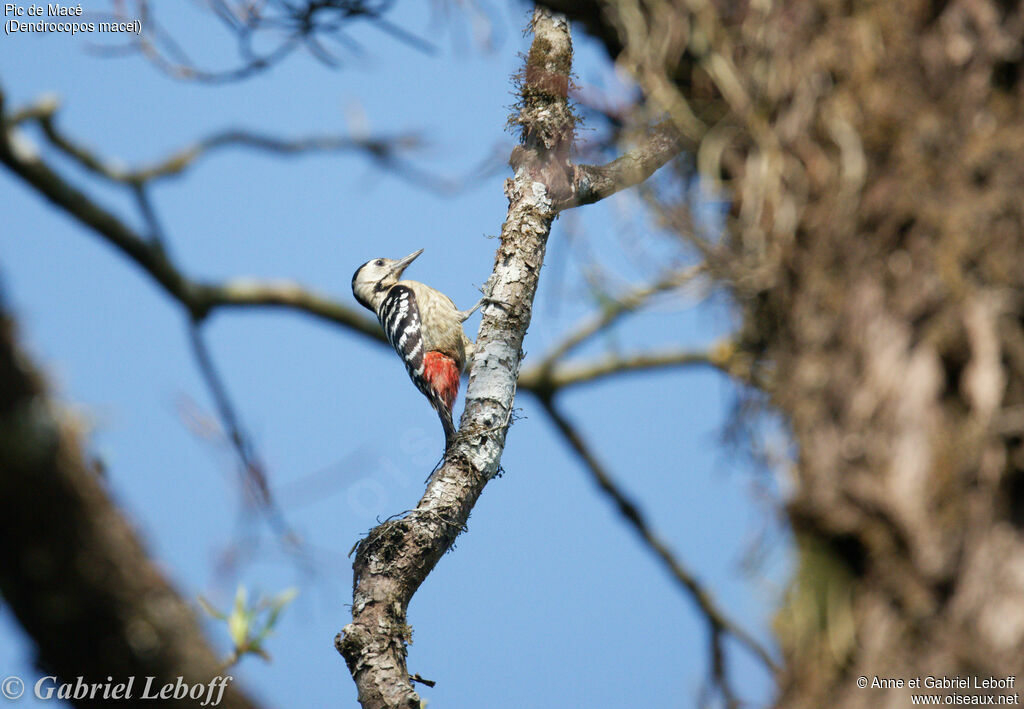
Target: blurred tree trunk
<point>874,153</point>
<point>73,570</point>
<point>893,318</point>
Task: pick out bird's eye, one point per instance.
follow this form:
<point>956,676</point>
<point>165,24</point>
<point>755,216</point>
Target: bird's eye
<point>379,262</point>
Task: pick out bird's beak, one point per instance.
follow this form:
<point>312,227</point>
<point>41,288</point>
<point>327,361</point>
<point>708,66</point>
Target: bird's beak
<point>402,264</point>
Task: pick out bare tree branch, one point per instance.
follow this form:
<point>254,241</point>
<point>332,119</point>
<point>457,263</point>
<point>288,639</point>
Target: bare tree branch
<point>249,293</point>
<point>254,473</point>
<point>198,298</point>
<point>157,237</point>
<point>385,151</point>
<point>551,374</point>
<point>592,183</point>
<point>613,310</point>
<point>722,357</point>
<point>293,25</point>
<point>718,622</point>
<point>396,556</point>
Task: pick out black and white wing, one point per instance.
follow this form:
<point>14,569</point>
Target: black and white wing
<point>400,317</point>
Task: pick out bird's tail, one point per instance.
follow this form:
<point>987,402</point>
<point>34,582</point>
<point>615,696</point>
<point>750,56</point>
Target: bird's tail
<point>448,424</point>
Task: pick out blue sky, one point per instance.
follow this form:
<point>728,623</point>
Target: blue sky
<point>548,600</point>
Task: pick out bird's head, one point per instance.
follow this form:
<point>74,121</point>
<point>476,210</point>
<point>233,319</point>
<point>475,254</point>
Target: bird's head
<point>371,280</point>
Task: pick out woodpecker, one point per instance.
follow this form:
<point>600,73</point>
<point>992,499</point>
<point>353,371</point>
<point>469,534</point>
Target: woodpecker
<point>424,327</point>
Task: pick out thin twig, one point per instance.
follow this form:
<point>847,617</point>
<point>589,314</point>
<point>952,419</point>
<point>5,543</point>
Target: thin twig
<point>614,310</point>
<point>296,24</point>
<point>723,357</point>
<point>716,618</point>
<point>253,472</point>
<point>386,151</point>
<point>157,236</point>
